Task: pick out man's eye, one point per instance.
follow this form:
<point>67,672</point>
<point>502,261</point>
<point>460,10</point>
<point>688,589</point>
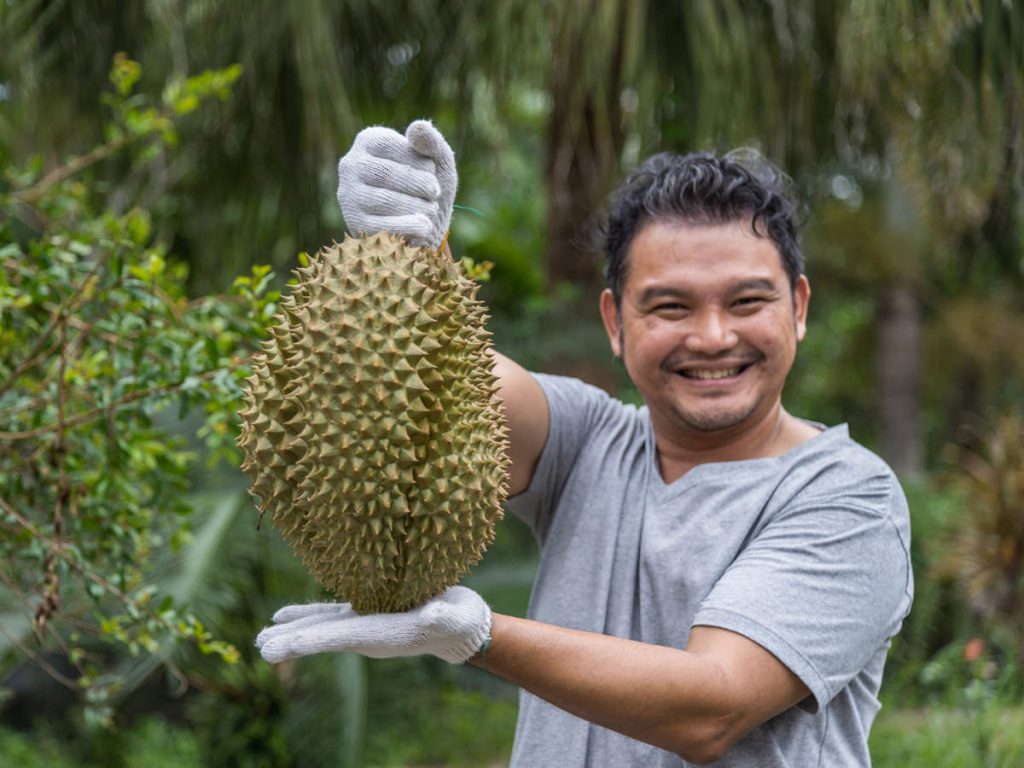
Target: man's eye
<point>749,302</point>
<point>669,308</point>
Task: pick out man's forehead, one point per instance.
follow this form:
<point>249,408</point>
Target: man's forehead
<point>665,244</point>
<point>740,231</point>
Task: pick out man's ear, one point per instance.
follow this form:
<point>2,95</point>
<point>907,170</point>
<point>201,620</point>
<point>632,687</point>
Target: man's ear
<point>801,299</point>
<point>612,321</point>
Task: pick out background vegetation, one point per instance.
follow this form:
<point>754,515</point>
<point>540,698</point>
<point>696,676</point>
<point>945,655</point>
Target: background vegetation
<point>157,154</point>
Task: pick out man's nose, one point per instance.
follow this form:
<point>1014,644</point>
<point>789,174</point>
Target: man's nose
<point>710,334</point>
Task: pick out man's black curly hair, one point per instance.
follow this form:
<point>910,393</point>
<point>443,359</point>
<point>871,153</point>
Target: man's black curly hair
<point>701,188</point>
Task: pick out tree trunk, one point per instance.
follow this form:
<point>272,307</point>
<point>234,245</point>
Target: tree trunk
<point>899,378</point>
<point>584,139</point>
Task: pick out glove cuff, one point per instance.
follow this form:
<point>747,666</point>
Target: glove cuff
<point>466,647</point>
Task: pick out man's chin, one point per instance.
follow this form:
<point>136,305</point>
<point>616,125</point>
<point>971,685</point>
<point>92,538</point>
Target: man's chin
<point>709,420</point>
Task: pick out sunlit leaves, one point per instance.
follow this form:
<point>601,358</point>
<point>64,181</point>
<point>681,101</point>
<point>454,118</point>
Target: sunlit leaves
<point>478,271</point>
<point>185,95</point>
<point>124,74</point>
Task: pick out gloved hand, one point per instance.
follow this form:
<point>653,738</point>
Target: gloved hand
<point>402,184</point>
<point>453,626</point>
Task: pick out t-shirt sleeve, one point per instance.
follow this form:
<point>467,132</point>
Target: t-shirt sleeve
<point>821,587</point>
<point>574,408</point>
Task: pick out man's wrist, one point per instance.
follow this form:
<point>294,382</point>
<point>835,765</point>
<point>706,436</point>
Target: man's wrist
<point>479,658</point>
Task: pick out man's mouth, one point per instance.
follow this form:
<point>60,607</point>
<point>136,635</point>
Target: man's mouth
<point>711,375</point>
<point>708,370</point>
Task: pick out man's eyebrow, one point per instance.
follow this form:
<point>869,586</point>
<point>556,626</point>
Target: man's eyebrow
<point>661,292</point>
<point>755,284</point>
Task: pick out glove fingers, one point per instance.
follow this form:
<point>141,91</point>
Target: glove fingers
<point>276,647</point>
<point>295,612</point>
<point>303,629</point>
<point>375,635</point>
<point>426,140</point>
<point>378,141</point>
<point>399,177</point>
<point>375,201</point>
<point>275,632</point>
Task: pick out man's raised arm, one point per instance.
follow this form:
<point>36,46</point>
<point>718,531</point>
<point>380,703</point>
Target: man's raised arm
<point>526,413</point>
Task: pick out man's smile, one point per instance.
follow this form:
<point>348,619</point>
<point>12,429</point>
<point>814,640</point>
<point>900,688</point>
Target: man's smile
<point>721,371</point>
<point>712,374</point>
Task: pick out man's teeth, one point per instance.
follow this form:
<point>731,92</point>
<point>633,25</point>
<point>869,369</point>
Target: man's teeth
<point>723,373</point>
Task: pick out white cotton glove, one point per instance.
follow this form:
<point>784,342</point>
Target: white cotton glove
<point>453,626</point>
<point>402,184</point>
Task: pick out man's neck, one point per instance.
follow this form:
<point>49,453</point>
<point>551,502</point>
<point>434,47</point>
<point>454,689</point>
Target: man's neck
<point>772,435</point>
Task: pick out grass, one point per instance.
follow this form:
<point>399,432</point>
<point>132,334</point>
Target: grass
<point>462,728</point>
<point>151,743</point>
<point>455,727</point>
<point>949,738</point>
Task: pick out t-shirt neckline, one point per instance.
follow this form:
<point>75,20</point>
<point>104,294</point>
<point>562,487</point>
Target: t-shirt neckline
<point>711,469</point>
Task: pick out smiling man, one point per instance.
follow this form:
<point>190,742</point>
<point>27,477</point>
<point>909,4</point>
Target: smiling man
<point>719,580</point>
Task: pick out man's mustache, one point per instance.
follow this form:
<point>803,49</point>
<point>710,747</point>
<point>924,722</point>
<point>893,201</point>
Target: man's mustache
<point>732,358</point>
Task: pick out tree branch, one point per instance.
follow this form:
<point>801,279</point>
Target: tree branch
<point>70,168</point>
<point>84,418</point>
<point>32,357</point>
<point>27,524</point>
<point>51,580</point>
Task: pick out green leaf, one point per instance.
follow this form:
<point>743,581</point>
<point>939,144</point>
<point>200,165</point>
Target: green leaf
<point>187,103</point>
<point>124,74</point>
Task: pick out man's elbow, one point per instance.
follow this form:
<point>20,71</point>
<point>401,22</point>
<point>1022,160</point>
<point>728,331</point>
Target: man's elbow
<point>707,741</point>
<point>701,756</point>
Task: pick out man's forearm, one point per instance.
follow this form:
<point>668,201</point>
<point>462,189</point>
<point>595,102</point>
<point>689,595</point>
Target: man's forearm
<point>663,696</point>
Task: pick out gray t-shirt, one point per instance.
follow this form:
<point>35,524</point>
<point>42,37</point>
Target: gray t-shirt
<point>806,554</point>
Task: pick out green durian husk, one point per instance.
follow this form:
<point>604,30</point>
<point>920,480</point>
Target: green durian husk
<point>372,429</point>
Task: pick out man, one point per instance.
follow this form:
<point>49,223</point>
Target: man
<point>719,579</point>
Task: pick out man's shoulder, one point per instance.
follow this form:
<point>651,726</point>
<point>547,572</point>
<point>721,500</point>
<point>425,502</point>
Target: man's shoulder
<point>834,464</point>
<point>569,396</point>
<point>573,384</point>
<point>592,435</point>
<point>836,449</point>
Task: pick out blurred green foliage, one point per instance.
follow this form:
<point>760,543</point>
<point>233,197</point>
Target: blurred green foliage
<point>150,743</point>
<point>984,552</point>
<point>948,738</point>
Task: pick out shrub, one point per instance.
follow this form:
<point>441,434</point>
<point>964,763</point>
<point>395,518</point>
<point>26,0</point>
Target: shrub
<point>98,343</point>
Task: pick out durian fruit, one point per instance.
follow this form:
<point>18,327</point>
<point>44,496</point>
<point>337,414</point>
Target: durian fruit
<point>372,429</point>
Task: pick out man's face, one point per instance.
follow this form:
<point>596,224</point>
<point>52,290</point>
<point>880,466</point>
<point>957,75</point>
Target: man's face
<point>708,325</point>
